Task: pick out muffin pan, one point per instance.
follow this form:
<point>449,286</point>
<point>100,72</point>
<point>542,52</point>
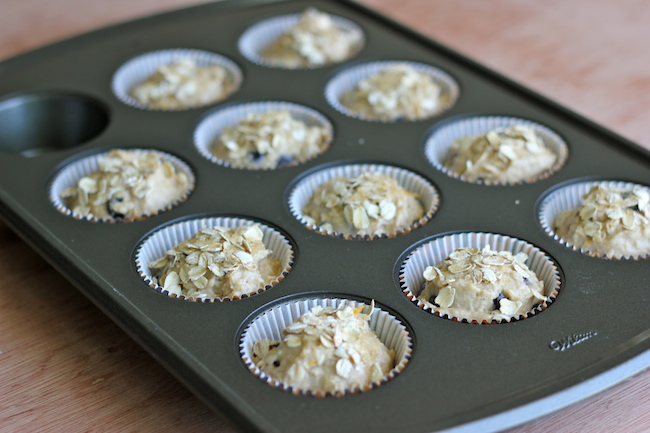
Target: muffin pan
<point>58,107</point>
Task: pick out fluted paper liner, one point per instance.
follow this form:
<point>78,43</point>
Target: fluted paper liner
<point>271,323</point>
<point>439,143</point>
<point>347,80</point>
<point>138,69</point>
<point>435,251</point>
<point>304,190</point>
<point>71,173</point>
<point>259,36</point>
<point>570,197</point>
<point>210,128</point>
<point>163,239</point>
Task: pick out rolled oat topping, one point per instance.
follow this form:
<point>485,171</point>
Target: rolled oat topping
<point>270,140</point>
<point>368,204</point>
<point>326,349</point>
<point>482,285</point>
<point>184,84</point>
<point>399,91</point>
<point>128,184</point>
<point>507,155</point>
<point>314,41</point>
<point>610,221</point>
<point>217,262</point>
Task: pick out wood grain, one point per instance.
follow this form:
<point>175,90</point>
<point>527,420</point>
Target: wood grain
<point>65,367</point>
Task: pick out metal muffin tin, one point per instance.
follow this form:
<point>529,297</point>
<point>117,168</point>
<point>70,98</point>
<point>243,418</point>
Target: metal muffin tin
<point>57,106</point>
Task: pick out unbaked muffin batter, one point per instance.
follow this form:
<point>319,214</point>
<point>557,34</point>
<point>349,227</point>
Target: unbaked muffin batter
<point>217,262</point>
<point>368,204</point>
<point>610,221</point>
<point>397,92</point>
<point>183,84</point>
<point>270,140</point>
<point>504,155</point>
<point>480,285</point>
<point>326,349</point>
<point>128,184</point>
<point>314,41</point>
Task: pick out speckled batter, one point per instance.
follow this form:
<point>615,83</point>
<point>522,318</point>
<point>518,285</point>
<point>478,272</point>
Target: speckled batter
<point>512,154</point>
<point>482,285</point>
<point>217,262</point>
<point>326,349</point>
<point>368,204</point>
<point>314,41</point>
<point>184,84</point>
<point>270,140</point>
<point>128,184</point>
<point>399,91</point>
<point>610,221</point>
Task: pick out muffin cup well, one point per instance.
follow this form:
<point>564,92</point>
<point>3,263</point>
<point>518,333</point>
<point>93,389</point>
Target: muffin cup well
<point>138,69</point>
<point>210,128</point>
<point>271,323</point>
<point>70,174</point>
<point>304,190</point>
<point>157,243</point>
<point>570,197</point>
<point>436,250</point>
<point>439,143</point>
<point>347,80</point>
<point>258,37</point>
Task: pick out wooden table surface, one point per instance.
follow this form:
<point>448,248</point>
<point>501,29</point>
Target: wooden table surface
<point>64,366</point>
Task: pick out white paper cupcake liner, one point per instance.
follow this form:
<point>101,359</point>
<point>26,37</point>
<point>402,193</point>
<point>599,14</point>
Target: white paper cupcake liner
<point>439,143</point>
<point>304,190</point>
<point>71,173</point>
<point>138,69</point>
<point>347,80</point>
<point>259,36</point>
<point>570,197</point>
<point>435,251</point>
<point>159,242</point>
<point>270,324</point>
<point>210,128</point>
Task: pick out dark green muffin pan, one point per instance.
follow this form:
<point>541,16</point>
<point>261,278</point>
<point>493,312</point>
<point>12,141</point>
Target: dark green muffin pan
<point>57,106</point>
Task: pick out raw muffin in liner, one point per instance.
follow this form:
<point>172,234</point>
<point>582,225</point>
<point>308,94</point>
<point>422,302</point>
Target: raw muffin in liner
<point>270,324</point>
<point>570,197</point>
<point>209,130</point>
<point>157,243</point>
<point>346,81</point>
<point>140,68</point>
<point>303,191</point>
<point>439,143</point>
<point>71,173</point>
<point>433,253</point>
<point>260,36</point>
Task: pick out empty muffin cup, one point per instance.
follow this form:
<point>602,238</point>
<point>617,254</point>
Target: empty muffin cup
<point>278,320</point>
<point>35,123</point>
<point>480,278</point>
